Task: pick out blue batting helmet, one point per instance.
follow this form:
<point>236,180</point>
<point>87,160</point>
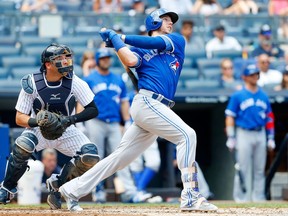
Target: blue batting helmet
<point>250,70</point>
<point>153,21</point>
<point>102,53</point>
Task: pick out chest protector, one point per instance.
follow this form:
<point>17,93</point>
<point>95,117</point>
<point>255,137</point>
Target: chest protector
<point>56,99</point>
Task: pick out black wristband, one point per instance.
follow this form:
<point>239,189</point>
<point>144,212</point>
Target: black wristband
<point>32,122</point>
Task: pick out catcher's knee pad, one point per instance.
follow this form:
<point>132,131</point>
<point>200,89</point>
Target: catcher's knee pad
<point>25,145</point>
<point>17,163</point>
<point>79,164</point>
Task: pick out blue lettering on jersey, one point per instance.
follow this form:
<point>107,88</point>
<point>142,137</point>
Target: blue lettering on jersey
<point>157,64</point>
<point>249,109</point>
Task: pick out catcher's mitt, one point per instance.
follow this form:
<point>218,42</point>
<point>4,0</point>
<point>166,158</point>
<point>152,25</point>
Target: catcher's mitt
<point>52,125</point>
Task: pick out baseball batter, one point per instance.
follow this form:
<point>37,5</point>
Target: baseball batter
<point>158,61</point>
<point>55,88</point>
<point>249,110</point>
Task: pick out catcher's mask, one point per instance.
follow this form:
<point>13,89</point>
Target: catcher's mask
<point>52,52</point>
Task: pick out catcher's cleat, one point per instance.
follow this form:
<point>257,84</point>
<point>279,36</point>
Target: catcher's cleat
<point>197,203</point>
<point>72,204</point>
<point>6,196</point>
<point>54,200</point>
<point>54,197</point>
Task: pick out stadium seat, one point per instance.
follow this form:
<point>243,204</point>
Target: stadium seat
<point>78,70</point>
<point>194,55</point>
<point>211,73</point>
<point>35,41</point>
<point>71,6</point>
<point>6,51</point>
<point>204,64</point>
<point>239,64</point>
<point>34,51</point>
<point>7,6</point>
<point>232,54</point>
<point>19,72</point>
<point>73,41</point>
<point>19,61</point>
<point>4,73</point>
<point>202,84</point>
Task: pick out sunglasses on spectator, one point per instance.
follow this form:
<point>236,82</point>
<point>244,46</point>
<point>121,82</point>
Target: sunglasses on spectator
<point>227,68</point>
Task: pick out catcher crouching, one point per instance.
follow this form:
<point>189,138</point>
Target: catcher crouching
<point>46,108</point>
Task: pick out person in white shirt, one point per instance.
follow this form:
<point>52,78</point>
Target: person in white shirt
<point>221,42</point>
<point>268,76</point>
<point>177,6</point>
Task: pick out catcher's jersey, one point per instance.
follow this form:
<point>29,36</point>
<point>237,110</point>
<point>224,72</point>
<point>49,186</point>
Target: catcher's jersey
<point>79,89</point>
<point>110,91</point>
<point>249,109</point>
<point>157,64</point>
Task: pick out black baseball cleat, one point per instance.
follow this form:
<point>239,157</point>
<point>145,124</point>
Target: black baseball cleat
<point>54,200</point>
<point>6,196</point>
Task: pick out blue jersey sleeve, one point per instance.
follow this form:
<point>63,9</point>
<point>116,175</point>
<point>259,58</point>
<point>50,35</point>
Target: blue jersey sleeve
<point>233,106</point>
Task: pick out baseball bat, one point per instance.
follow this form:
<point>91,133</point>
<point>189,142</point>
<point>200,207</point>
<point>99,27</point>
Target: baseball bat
<point>239,171</point>
<point>130,73</point>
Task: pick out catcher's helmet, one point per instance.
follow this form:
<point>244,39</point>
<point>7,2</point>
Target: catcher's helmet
<point>53,51</point>
<point>102,53</point>
<point>153,21</point>
<point>250,70</point>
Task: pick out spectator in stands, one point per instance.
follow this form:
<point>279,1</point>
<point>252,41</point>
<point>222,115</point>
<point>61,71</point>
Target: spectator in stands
<point>38,6</point>
<point>192,42</point>
<point>221,42</point>
<point>138,7</point>
<point>88,62</point>
<point>227,79</point>
<point>107,6</point>
<point>265,44</point>
<point>207,7</point>
<point>280,8</point>
<point>49,160</point>
<point>239,7</point>
<point>284,83</point>
<point>268,77</point>
<point>177,6</point>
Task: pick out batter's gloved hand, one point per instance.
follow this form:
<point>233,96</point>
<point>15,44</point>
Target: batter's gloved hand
<point>106,35</point>
<point>271,144</point>
<point>231,143</point>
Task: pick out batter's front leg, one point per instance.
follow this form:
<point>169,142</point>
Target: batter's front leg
<point>134,142</point>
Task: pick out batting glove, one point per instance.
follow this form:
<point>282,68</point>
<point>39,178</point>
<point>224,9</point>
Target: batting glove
<point>271,144</point>
<point>106,36</point>
<point>231,143</point>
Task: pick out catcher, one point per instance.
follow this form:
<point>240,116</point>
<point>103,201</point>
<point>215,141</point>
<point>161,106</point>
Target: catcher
<point>46,108</point>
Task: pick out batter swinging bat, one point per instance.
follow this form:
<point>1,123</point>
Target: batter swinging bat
<point>239,171</point>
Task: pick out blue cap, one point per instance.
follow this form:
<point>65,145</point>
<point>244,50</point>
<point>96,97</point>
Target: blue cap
<point>250,70</point>
<point>102,53</point>
<point>265,30</point>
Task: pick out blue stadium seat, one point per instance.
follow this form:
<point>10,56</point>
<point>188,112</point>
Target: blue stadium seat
<point>4,73</point>
<point>202,84</point>
<point>34,51</point>
<point>194,55</point>
<point>232,54</point>
<point>18,61</point>
<point>204,64</point>
<point>35,41</point>
<point>7,6</point>
<point>10,85</point>
<point>6,51</point>
<point>239,64</point>
<point>73,41</point>
<point>87,30</point>
<point>71,6</point>
<point>19,72</point>
<point>211,73</point>
<point>8,41</point>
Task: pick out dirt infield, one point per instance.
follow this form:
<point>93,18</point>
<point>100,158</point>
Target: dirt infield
<point>147,210</point>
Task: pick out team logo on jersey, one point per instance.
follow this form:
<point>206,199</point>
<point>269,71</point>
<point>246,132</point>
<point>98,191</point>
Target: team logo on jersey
<point>55,96</point>
<point>174,65</point>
